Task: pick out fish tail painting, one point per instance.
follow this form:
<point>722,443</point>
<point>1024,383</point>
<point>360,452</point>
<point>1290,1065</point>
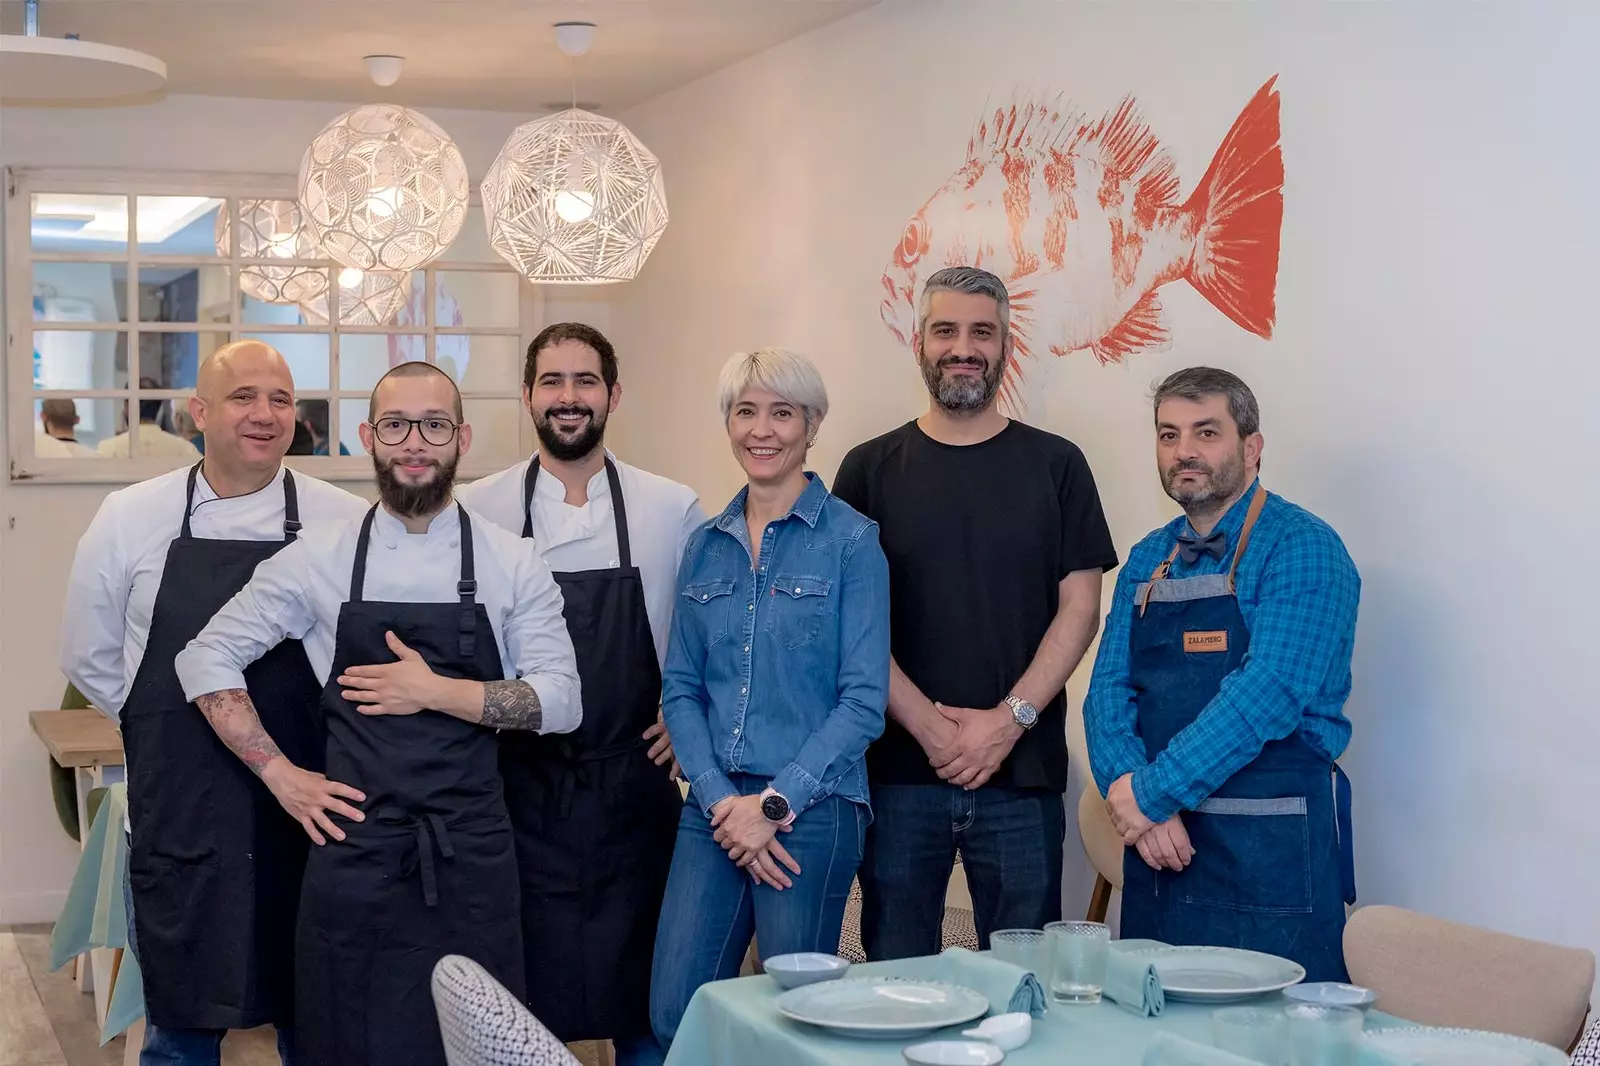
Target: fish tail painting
<point>1082,220</point>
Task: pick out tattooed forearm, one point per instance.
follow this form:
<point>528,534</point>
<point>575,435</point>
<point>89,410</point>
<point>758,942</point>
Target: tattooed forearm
<point>234,718</point>
<point>511,705</point>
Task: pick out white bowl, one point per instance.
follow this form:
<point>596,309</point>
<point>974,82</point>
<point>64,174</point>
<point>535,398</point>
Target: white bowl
<point>1331,994</point>
<point>1005,1031</point>
<point>805,968</point>
<point>953,1053</point>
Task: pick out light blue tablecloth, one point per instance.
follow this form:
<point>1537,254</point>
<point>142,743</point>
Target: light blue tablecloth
<point>734,1023</point>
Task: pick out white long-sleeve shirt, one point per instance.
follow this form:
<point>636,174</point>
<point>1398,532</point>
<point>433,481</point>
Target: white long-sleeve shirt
<point>661,516</point>
<point>298,592</point>
<point>117,570</point>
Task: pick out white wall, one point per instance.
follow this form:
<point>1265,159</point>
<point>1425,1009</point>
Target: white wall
<point>1429,389</point>
<point>42,523</point>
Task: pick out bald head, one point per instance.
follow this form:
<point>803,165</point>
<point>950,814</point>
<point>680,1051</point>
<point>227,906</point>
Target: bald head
<point>240,359</point>
<point>244,405</point>
<point>416,369</point>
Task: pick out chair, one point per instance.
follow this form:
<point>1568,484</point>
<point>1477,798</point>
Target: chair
<point>1442,973</point>
<point>483,1024</point>
<point>959,928</point>
<point>1104,846</point>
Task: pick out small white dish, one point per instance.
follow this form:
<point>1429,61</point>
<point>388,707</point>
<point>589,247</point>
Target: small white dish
<point>953,1053</point>
<point>1005,1031</point>
<point>805,968</point>
<point>1332,994</point>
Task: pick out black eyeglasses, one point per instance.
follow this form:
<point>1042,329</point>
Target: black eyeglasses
<point>392,431</point>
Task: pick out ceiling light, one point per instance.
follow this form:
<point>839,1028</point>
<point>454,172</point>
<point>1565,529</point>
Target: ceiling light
<point>382,187</point>
<point>271,229</point>
<point>366,298</point>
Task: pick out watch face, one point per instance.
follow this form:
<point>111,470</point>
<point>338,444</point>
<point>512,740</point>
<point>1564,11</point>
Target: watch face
<point>776,808</point>
<point>1026,713</point>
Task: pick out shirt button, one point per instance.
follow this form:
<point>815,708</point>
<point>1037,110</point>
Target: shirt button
<point>747,647</point>
<point>797,591</point>
<point>742,691</point>
<point>735,730</point>
<point>750,607</point>
<point>704,597</point>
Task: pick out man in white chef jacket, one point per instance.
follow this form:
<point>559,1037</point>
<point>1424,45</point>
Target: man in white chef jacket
<point>215,865</point>
<point>596,811</point>
<point>431,630</point>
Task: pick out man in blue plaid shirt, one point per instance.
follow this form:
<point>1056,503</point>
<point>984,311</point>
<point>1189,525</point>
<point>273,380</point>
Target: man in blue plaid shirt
<point>1216,712</point>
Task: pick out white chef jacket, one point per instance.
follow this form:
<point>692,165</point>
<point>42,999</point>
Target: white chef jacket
<point>47,447</point>
<point>117,570</point>
<point>154,443</point>
<point>298,592</point>
<point>661,516</point>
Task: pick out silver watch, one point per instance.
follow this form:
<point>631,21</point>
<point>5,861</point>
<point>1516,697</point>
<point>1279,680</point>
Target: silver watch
<point>1023,713</point>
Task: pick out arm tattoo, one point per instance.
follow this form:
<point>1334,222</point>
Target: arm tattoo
<point>234,718</point>
<point>511,705</point>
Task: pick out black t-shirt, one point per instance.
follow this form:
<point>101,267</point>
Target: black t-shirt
<point>979,538</point>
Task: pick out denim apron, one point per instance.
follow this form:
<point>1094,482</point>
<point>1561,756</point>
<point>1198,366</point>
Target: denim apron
<point>1273,864</point>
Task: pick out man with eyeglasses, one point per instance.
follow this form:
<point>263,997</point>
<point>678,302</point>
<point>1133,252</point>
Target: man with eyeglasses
<point>430,630</point>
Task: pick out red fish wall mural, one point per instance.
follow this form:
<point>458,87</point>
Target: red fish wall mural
<point>1081,219</point>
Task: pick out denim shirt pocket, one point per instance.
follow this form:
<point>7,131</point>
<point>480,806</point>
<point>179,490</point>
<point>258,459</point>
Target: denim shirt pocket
<point>799,606</point>
<point>711,601</point>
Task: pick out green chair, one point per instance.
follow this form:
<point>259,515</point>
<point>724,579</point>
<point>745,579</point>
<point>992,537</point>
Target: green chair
<point>63,781</point>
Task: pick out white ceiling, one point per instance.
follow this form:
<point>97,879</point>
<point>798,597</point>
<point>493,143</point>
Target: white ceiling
<point>491,54</point>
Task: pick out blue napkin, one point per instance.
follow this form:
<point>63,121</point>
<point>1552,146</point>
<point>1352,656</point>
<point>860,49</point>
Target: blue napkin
<point>1133,984</point>
<point>1007,986</point>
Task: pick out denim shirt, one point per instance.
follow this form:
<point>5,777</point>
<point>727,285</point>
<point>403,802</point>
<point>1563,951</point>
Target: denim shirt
<point>780,670</point>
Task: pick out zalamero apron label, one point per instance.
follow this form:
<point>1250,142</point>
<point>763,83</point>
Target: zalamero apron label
<point>1206,640</point>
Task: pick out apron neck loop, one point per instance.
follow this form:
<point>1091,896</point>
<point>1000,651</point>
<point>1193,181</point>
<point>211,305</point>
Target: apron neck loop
<point>358,571</point>
<point>467,589</point>
<point>188,500</point>
<point>619,509</point>
<point>291,504</point>
<point>1257,502</point>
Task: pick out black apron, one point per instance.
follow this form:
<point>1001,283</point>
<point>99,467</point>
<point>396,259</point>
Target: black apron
<point>216,862</point>
<point>595,819</point>
<point>431,871</point>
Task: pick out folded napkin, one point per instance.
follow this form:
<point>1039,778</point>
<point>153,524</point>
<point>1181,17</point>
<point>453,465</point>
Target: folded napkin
<point>1133,984</point>
<point>1165,1049</point>
<point>1007,986</point>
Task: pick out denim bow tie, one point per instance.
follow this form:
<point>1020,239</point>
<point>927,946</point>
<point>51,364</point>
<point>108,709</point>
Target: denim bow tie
<point>1192,547</point>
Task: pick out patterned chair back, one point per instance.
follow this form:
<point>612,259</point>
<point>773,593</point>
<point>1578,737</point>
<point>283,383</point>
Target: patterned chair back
<point>484,1025</point>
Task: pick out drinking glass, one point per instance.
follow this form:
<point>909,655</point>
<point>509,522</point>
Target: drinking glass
<point>1259,1034</point>
<point>1024,947</point>
<point>1324,1036</point>
<point>1078,953</point>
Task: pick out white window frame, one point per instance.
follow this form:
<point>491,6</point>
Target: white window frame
<point>20,185</point>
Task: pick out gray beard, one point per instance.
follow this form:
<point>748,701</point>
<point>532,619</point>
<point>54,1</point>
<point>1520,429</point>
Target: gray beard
<point>963,393</point>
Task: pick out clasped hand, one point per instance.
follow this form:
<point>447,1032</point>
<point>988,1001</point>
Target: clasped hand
<point>971,744</point>
<point>403,687</point>
<point>1161,846</point>
<point>748,837</point>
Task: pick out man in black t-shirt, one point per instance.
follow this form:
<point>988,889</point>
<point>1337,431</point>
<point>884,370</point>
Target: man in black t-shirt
<point>996,544</point>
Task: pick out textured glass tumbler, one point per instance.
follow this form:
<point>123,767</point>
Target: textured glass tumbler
<point>1021,947</point>
<point>1260,1034</point>
<point>1078,954</point>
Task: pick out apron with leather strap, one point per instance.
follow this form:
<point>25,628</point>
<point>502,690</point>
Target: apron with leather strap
<point>595,818</point>
<point>1273,864</point>
<point>431,871</point>
<point>216,862</point>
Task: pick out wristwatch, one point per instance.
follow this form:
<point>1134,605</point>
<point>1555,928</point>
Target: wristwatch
<point>1023,713</point>
<point>775,808</point>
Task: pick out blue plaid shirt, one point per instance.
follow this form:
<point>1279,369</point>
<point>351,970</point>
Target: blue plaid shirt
<point>1298,590</point>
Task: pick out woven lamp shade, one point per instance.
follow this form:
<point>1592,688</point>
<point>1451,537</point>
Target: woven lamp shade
<point>272,229</point>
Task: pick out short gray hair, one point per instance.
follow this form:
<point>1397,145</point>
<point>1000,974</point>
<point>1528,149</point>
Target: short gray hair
<point>966,279</point>
<point>1198,382</point>
<point>778,370</point>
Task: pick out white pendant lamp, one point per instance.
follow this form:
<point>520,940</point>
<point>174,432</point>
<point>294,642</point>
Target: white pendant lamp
<point>574,197</point>
<point>382,187</point>
<point>64,68</point>
<point>272,229</point>
<point>366,298</point>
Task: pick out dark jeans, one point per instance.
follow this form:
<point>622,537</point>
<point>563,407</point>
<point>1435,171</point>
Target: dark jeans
<point>1010,842</point>
<point>712,907</point>
<point>184,1047</point>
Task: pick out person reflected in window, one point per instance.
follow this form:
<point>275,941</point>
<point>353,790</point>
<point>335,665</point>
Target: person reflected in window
<point>57,436</point>
<point>154,441</point>
<point>313,418</point>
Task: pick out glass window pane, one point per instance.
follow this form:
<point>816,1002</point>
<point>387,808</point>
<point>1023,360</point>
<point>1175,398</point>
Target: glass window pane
<point>185,294</point>
<point>178,225</point>
<point>374,298</point>
<point>495,429</point>
<point>80,292</point>
<point>311,432</point>
<point>72,427</point>
<point>165,431</point>
<point>258,312</point>
<point>477,299</point>
<point>472,243</point>
<point>306,354</point>
<point>79,359</point>
<point>79,222</point>
<point>352,412</point>
<point>171,360</point>
<point>481,363</point>
<point>366,357</point>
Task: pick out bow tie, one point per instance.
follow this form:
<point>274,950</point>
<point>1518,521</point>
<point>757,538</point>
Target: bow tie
<point>1192,547</point>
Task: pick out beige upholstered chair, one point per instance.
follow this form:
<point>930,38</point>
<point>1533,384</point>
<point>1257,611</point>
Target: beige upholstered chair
<point>1442,973</point>
<point>1104,845</point>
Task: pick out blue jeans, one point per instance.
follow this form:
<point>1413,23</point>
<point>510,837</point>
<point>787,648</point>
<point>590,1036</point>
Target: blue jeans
<point>1010,842</point>
<point>184,1047</point>
<point>712,907</point>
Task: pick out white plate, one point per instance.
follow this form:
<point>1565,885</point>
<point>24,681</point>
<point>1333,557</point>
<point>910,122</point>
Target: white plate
<point>1332,994</point>
<point>1463,1047</point>
<point>1219,975</point>
<point>882,1006</point>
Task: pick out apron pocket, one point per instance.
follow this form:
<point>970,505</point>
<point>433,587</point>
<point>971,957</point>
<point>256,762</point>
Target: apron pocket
<point>1250,855</point>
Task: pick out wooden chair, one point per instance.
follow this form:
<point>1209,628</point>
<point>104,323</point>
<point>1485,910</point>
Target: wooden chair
<point>1442,973</point>
<point>1104,846</point>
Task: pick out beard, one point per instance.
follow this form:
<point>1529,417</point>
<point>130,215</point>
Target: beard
<point>1224,482</point>
<point>411,501</point>
<point>565,448</point>
<point>962,393</point>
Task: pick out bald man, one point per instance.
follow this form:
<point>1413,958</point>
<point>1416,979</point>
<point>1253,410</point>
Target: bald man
<point>215,862</point>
